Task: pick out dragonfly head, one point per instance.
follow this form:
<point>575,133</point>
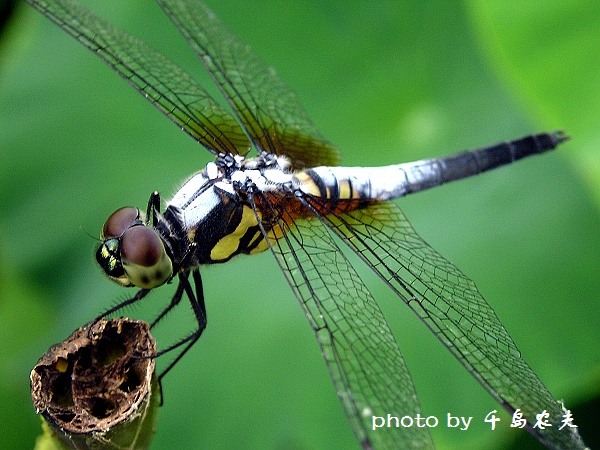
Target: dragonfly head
<point>133,253</point>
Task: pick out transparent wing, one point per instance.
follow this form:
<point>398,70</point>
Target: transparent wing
<point>452,308</point>
<point>173,91</point>
<point>267,108</point>
<point>363,358</point>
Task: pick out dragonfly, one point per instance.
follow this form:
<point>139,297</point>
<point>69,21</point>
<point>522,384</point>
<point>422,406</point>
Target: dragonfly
<point>276,185</point>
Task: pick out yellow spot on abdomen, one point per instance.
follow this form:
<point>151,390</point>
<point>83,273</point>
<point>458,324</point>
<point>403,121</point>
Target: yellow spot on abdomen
<point>308,185</point>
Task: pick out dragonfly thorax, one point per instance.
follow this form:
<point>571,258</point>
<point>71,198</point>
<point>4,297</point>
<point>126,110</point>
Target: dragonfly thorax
<point>214,208</point>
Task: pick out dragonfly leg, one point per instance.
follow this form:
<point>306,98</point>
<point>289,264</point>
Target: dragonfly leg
<point>137,297</point>
<point>153,209</point>
<point>199,308</point>
<point>174,302</point>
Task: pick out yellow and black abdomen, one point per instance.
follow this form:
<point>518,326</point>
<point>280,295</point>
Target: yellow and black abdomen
<point>352,187</point>
<point>368,184</point>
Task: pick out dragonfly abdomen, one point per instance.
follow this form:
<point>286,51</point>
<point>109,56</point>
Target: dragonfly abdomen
<point>473,162</point>
<point>388,182</point>
<point>421,175</point>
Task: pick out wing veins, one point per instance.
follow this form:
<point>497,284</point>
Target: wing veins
<point>144,69</point>
<point>269,111</point>
<point>361,353</point>
<point>525,391</point>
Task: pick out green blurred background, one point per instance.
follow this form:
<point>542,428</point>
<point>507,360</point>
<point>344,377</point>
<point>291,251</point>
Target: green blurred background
<point>386,81</point>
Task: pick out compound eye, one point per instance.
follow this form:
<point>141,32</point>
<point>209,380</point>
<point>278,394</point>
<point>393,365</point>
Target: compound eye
<point>144,258</point>
<point>120,221</point>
